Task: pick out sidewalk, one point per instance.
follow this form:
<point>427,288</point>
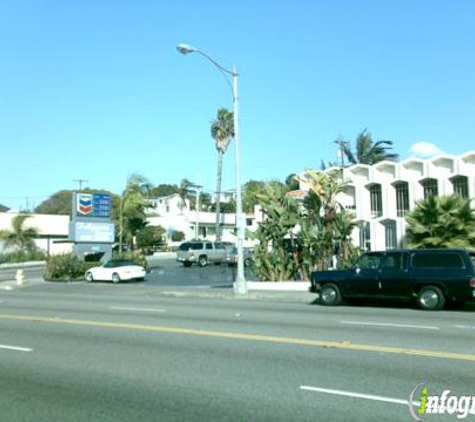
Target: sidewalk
<point>13,284</point>
<point>227,292</point>
<point>22,265</point>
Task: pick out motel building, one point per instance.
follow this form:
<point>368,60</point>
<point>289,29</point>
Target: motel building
<point>174,214</point>
<point>381,195</point>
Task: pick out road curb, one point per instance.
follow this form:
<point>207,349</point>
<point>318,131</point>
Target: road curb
<point>279,286</point>
<point>22,265</point>
<point>228,294</point>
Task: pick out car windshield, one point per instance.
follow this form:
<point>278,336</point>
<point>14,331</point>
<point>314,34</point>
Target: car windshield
<point>114,263</point>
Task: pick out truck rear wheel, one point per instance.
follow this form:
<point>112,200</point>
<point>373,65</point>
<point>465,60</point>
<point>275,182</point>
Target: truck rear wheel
<point>431,298</point>
<point>330,295</point>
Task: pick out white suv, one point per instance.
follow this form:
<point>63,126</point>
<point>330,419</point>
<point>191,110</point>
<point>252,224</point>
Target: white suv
<point>201,253</point>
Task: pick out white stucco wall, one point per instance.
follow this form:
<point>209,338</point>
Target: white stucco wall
<point>413,171</point>
<point>56,227</point>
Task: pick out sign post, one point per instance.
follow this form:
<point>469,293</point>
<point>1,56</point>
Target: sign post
<point>91,229</point>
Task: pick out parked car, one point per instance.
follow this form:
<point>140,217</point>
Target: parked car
<point>201,253</point>
<point>431,276</point>
<point>116,270</point>
<point>232,256</point>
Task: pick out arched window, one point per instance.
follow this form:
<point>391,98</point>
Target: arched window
<point>402,198</point>
<point>390,231</point>
<point>460,184</point>
<point>376,199</point>
<point>431,187</point>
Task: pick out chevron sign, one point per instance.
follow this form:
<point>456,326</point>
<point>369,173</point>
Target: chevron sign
<point>84,204</point>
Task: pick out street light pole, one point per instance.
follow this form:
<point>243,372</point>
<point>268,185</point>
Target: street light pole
<point>240,284</point>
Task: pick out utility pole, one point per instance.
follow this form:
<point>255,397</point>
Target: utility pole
<point>342,145</point>
<point>80,182</point>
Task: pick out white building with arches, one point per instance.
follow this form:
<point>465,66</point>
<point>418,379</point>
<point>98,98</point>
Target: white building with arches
<point>381,195</point>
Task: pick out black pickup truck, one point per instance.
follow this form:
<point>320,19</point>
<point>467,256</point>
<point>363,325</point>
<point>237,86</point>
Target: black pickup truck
<point>431,276</point>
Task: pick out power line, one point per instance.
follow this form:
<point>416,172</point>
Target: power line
<point>342,146</point>
<point>80,182</point>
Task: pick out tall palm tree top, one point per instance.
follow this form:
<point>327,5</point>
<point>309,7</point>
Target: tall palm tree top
<point>369,152</point>
<point>222,129</point>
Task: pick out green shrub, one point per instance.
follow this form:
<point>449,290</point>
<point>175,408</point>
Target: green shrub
<point>66,267</point>
<point>178,236</point>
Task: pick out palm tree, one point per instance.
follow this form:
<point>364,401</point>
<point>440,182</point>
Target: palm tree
<point>292,182</point>
<point>272,260</point>
<point>441,222</point>
<point>344,225</point>
<point>132,208</point>
<point>368,151</point>
<point>222,130</point>
<point>20,237</point>
<point>323,208</point>
<point>184,192</point>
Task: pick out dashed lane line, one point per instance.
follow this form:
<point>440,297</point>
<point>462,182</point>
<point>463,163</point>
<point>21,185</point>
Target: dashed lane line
<point>15,348</point>
<point>384,324</point>
<point>123,308</point>
<point>357,395</point>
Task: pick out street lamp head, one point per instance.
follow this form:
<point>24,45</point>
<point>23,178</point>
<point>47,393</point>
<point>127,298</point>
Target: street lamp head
<point>185,48</point>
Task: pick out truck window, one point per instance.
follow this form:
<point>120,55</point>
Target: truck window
<point>472,258</point>
<point>437,260</point>
<point>369,261</point>
<point>394,260</point>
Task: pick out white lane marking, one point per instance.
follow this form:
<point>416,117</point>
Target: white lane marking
<point>465,327</point>
<point>122,308</point>
<point>357,395</point>
<point>381,324</point>
<point>15,348</point>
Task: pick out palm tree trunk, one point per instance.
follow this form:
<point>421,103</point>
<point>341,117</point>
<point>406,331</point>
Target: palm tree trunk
<point>121,224</point>
<point>218,195</point>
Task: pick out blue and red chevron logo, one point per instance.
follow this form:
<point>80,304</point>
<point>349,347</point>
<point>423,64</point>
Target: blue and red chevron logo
<point>84,203</point>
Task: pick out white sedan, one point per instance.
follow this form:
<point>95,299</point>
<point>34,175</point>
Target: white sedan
<point>116,270</point>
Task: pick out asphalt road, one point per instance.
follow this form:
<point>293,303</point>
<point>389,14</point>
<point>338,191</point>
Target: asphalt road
<point>100,352</point>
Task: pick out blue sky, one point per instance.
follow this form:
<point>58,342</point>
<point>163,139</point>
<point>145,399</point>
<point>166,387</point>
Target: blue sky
<point>96,90</point>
